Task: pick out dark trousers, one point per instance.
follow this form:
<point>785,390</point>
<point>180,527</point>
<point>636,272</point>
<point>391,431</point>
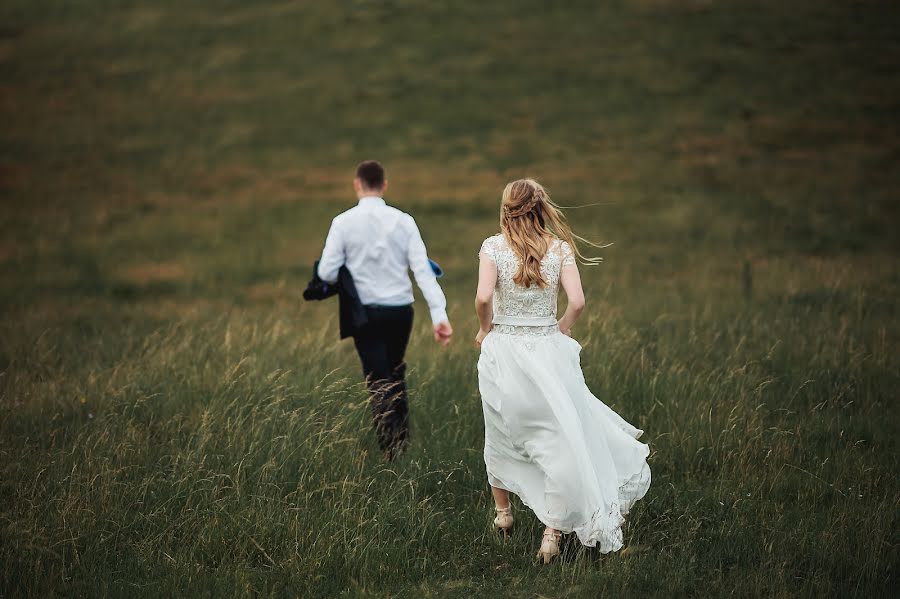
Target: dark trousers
<point>381,345</point>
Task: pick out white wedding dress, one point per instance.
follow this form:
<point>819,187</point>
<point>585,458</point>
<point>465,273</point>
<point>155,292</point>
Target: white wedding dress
<point>570,458</point>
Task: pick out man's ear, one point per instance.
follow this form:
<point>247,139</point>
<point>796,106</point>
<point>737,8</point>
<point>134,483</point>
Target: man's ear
<point>357,185</point>
<point>384,187</point>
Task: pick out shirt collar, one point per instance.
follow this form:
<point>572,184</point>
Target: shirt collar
<point>371,201</point>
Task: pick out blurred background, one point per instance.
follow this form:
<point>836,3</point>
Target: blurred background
<point>169,170</point>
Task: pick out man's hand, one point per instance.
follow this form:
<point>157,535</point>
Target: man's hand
<point>442,332</point>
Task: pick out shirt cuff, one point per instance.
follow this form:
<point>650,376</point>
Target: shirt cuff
<point>319,274</point>
<point>439,315</point>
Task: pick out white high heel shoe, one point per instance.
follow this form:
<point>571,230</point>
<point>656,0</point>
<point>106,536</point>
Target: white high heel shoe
<point>549,545</point>
<point>504,520</point>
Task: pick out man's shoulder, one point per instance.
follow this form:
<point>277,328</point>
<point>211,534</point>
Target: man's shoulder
<point>358,211</point>
<point>403,217</point>
<point>348,217</point>
<point>406,216</point>
<point>348,213</point>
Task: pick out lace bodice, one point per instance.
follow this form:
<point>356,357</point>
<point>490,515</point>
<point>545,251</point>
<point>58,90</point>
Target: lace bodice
<point>514,300</point>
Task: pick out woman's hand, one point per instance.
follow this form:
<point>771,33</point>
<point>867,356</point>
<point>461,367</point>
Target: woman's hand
<point>480,337</point>
<point>567,331</point>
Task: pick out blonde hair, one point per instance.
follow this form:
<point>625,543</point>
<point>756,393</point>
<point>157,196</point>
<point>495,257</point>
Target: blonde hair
<point>529,221</point>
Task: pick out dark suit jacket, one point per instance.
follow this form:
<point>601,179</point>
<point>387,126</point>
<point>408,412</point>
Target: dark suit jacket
<point>351,311</point>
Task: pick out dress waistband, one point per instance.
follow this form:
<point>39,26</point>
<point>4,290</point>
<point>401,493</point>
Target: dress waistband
<point>524,321</point>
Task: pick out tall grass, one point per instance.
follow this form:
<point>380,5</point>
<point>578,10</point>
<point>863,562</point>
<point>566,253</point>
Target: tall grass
<point>235,454</point>
<point>174,421</point>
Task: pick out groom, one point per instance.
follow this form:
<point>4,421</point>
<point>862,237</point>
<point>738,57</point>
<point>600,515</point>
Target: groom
<point>379,245</point>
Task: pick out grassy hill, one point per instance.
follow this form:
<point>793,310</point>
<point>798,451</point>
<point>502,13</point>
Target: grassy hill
<point>175,420</point>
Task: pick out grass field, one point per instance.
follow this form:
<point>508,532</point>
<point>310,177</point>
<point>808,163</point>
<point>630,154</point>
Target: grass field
<point>175,420</point>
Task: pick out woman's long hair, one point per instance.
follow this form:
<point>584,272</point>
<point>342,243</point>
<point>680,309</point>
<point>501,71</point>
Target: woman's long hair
<point>530,220</point>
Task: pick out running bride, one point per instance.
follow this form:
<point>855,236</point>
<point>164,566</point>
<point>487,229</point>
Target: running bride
<point>569,457</point>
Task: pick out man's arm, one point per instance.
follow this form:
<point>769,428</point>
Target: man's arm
<point>332,255</point>
<point>427,282</point>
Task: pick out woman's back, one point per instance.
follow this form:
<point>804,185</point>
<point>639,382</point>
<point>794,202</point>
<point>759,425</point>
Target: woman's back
<point>527,306</point>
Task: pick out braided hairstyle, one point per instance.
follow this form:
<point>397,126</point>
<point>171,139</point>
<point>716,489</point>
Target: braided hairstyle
<point>529,221</point>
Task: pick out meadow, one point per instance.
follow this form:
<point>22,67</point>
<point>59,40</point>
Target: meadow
<point>176,421</point>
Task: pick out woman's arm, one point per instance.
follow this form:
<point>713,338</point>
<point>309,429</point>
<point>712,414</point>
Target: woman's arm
<point>487,280</point>
<point>571,282</point>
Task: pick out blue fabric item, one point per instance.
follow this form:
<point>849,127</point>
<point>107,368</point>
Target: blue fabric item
<point>436,269</point>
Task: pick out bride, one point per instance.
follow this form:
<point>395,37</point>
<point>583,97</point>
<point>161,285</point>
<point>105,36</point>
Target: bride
<point>570,458</point>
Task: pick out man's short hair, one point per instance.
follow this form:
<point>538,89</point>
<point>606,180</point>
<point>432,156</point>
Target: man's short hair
<point>371,173</point>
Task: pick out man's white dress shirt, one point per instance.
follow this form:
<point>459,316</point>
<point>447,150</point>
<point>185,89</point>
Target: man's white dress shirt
<point>380,244</point>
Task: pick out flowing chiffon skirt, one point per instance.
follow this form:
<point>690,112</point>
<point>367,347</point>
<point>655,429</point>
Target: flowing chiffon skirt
<point>569,457</point>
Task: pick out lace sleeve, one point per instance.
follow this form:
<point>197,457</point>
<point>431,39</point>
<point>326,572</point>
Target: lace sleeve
<point>487,249</point>
<point>568,256</point>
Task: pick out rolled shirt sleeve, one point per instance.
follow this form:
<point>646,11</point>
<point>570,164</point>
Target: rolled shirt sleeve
<point>425,279</point>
